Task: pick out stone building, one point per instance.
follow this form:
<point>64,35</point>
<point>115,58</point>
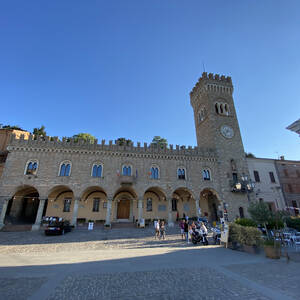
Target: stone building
<point>267,185</point>
<point>289,176</point>
<point>113,183</point>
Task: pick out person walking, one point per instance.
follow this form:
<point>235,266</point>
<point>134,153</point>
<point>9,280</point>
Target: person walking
<point>162,230</point>
<point>181,225</point>
<point>156,226</point>
<point>186,230</point>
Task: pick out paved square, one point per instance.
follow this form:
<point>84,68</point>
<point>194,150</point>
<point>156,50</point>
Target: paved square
<point>130,263</point>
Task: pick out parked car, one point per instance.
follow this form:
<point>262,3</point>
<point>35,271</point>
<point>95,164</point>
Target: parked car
<point>57,226</point>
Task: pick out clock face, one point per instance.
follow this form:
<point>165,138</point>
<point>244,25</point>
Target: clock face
<point>227,131</point>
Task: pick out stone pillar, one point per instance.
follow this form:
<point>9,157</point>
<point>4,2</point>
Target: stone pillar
<point>38,219</point>
<point>140,212</point>
<point>170,214</point>
<point>75,211</point>
<point>108,213</point>
<point>3,203</point>
<point>198,210</point>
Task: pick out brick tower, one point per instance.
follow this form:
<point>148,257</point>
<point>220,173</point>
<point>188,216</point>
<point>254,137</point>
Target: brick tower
<point>217,127</point>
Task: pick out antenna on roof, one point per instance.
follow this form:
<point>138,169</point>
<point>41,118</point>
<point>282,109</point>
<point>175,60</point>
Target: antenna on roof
<point>203,66</point>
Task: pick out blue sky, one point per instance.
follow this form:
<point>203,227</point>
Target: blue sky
<point>125,68</point>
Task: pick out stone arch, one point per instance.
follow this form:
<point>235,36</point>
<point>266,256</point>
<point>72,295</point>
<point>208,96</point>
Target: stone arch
<point>60,202</point>
<point>23,205</point>
<point>124,206</point>
<point>183,203</point>
<point>210,204</point>
<point>159,204</point>
<point>93,204</point>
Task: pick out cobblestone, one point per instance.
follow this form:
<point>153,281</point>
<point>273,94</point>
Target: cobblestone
<point>204,283</point>
<point>19,288</point>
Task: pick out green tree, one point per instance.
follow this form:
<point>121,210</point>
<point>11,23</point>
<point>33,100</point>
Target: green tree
<point>123,142</point>
<point>249,154</point>
<point>260,213</point>
<point>159,141</point>
<point>16,127</point>
<point>39,131</point>
<point>84,136</point>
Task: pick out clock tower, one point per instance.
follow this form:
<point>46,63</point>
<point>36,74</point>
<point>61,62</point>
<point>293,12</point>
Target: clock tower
<point>217,127</point>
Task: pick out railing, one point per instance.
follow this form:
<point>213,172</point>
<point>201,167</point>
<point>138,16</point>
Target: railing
<point>240,186</point>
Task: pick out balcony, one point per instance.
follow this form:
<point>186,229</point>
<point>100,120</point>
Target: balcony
<point>126,180</point>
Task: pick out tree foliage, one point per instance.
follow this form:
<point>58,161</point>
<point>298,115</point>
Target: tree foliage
<point>159,141</point>
<point>259,212</point>
<point>123,141</point>
<point>84,136</point>
<point>39,131</point>
<point>249,154</point>
<point>16,127</point>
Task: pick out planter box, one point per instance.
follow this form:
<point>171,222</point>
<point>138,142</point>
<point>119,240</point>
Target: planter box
<point>272,252</point>
<point>251,249</point>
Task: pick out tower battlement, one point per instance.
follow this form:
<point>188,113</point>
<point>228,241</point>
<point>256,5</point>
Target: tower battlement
<point>50,143</point>
<point>213,83</point>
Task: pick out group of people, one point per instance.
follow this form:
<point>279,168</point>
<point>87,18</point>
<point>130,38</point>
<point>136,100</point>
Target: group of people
<point>186,229</point>
<point>160,229</point>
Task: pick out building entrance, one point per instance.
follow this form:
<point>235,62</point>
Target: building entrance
<point>123,211</point>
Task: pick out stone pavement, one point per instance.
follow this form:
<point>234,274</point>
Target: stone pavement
<point>130,264</point>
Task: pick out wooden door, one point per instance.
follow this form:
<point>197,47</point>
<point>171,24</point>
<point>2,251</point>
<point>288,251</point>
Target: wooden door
<point>123,209</point>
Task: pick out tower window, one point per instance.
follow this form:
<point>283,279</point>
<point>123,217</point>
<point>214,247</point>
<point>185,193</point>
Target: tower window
<point>181,173</point>
<point>217,108</point>
<point>206,174</point>
<point>222,108</point>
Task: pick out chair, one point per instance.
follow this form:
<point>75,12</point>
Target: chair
<point>297,242</point>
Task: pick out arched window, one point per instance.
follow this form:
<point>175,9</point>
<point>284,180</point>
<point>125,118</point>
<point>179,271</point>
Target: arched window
<point>241,211</point>
<point>126,170</point>
<point>217,108</point>
<point>97,170</point>
<point>181,173</point>
<point>65,169</point>
<point>206,174</point>
<point>154,173</point>
<point>31,167</point>
<point>221,109</point>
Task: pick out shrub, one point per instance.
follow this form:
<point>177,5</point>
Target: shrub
<point>245,235</point>
<point>274,223</point>
<point>293,222</point>
<point>246,222</point>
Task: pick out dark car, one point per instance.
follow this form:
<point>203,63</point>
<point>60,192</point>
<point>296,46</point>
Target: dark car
<point>57,227</point>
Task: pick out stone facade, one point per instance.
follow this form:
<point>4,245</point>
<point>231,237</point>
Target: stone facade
<point>267,186</point>
<point>33,171</point>
<point>289,177</point>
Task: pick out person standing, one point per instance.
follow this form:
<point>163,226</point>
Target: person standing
<point>186,230</point>
<point>156,226</point>
<point>162,230</point>
<point>181,225</point>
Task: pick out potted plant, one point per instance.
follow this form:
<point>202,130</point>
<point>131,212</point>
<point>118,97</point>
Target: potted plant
<point>272,248</point>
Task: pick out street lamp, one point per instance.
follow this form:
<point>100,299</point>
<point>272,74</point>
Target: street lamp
<point>245,185</point>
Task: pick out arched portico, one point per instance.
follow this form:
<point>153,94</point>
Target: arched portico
<point>93,204</point>
<point>155,205</point>
<point>22,208</point>
<point>61,202</point>
<point>209,204</point>
<point>183,203</point>
<point>125,205</point>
